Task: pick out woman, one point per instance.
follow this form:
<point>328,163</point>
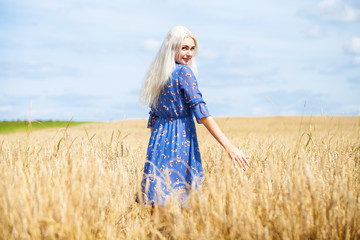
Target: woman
<point>173,162</point>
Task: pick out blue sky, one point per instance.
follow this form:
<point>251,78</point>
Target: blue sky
<point>86,58</point>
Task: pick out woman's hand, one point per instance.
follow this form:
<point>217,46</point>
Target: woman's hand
<point>238,157</point>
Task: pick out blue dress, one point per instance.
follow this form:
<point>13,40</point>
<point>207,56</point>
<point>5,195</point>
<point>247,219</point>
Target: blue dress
<point>173,162</point>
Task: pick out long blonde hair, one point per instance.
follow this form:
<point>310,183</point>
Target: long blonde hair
<point>163,65</point>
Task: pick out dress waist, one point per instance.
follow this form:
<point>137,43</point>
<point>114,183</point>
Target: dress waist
<point>177,117</point>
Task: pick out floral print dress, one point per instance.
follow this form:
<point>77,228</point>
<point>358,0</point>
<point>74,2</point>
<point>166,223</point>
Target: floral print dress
<point>173,162</point>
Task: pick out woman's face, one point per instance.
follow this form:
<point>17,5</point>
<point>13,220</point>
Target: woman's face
<point>186,51</point>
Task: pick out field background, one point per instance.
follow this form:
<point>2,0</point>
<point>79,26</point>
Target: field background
<point>80,182</point>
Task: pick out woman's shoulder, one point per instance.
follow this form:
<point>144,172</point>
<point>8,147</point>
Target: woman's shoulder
<point>184,69</point>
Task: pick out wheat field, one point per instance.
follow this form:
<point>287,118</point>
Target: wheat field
<point>80,182</point>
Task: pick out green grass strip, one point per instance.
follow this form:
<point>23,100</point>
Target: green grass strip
<point>14,126</point>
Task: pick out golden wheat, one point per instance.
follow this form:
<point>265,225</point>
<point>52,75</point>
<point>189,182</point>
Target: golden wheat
<point>80,183</point>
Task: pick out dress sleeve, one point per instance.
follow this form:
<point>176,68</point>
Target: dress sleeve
<point>152,119</point>
<point>192,94</point>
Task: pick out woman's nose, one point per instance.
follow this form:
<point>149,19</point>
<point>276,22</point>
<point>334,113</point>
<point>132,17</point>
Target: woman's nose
<point>189,53</point>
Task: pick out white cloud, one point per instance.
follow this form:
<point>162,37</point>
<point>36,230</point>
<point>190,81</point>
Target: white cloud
<point>334,11</point>
<point>33,69</point>
<point>251,71</point>
<point>354,46</point>
<point>208,54</point>
<point>329,3</point>
<point>151,45</point>
<point>356,60</point>
<point>349,14</point>
<point>259,110</point>
<point>6,108</point>
<point>315,32</point>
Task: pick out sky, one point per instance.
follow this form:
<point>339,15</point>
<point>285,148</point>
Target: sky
<point>86,59</point>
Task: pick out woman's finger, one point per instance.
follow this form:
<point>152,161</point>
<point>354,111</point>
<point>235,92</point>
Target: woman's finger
<point>233,161</point>
<point>244,158</point>
<point>241,164</point>
<point>246,161</point>
<point>239,158</point>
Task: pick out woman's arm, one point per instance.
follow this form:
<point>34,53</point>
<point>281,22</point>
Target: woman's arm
<point>235,154</point>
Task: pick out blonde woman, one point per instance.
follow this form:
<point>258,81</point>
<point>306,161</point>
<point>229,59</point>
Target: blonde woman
<point>173,162</point>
